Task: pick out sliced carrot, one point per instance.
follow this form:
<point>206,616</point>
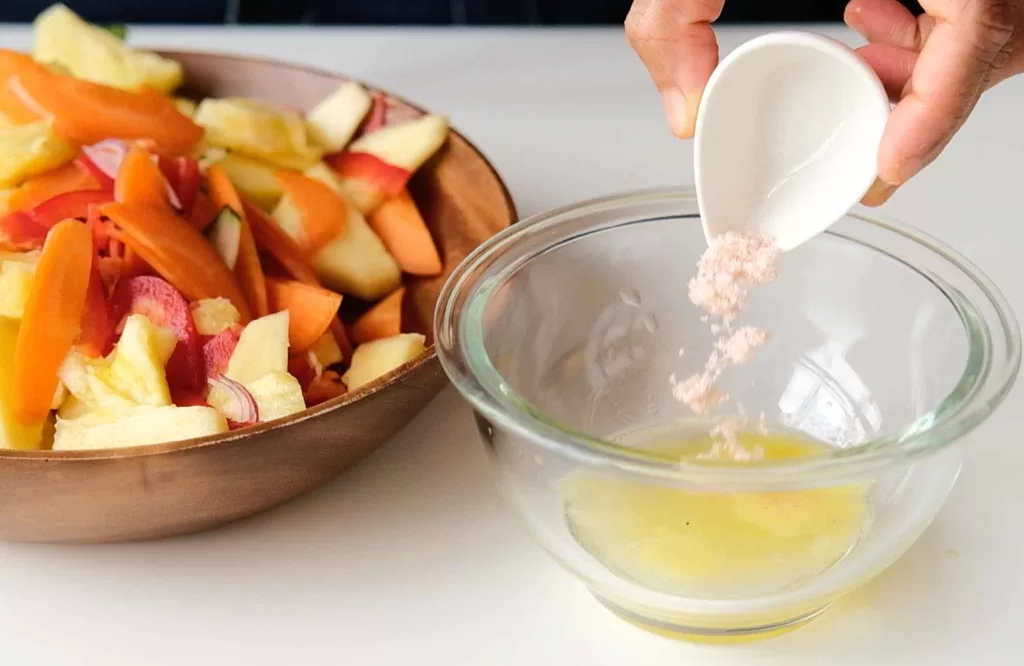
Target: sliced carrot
<point>139,180</point>
<point>178,252</point>
<point>405,235</point>
<point>247,268</point>
<point>68,178</point>
<point>383,320</point>
<point>341,337</point>
<point>222,191</point>
<point>204,212</point>
<point>279,245</point>
<point>133,265</point>
<point>326,386</point>
<point>86,112</point>
<point>311,310</point>
<point>324,212</point>
<point>53,315</point>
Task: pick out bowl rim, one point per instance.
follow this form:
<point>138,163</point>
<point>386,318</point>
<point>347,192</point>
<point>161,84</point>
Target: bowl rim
<point>464,358</point>
<point>331,405</point>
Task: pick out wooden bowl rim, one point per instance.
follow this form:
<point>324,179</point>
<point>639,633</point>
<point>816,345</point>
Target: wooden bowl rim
<point>334,404</point>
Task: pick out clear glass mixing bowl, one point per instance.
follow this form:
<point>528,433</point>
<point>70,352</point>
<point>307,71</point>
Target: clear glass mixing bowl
<point>887,347</point>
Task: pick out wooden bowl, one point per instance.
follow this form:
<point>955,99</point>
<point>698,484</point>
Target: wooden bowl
<point>170,489</point>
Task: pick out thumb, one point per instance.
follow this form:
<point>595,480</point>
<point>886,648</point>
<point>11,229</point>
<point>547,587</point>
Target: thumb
<point>955,66</point>
<point>675,41</point>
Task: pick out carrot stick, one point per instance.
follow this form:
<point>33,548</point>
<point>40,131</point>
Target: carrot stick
<point>52,318</point>
<point>139,180</point>
<point>310,310</point>
<point>247,268</point>
<point>178,252</point>
<point>279,245</point>
<point>68,178</point>
<point>326,386</point>
<point>324,212</point>
<point>86,112</point>
<point>383,320</point>
<point>405,235</point>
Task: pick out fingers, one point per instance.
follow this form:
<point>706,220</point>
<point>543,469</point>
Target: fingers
<point>885,22</point>
<point>675,41</point>
<point>893,64</point>
<point>951,72</point>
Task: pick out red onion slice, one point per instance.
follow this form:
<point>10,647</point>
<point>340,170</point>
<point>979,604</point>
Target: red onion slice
<point>106,156</point>
<point>240,409</point>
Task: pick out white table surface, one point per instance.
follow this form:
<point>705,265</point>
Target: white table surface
<point>411,558</point>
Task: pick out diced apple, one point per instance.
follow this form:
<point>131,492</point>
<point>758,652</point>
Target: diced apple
<point>95,54</point>
<point>137,362</point>
<point>136,426</point>
<point>277,395</point>
<point>258,129</point>
<point>59,396</point>
<point>15,285</point>
<point>404,147</point>
<point>86,381</point>
<point>407,146</point>
<point>225,235</point>
<point>254,178</point>
<point>326,351</point>
<point>13,434</point>
<point>72,408</point>
<point>378,358</point>
<point>262,349</point>
<point>213,315</point>
<point>355,262</point>
<point>334,121</point>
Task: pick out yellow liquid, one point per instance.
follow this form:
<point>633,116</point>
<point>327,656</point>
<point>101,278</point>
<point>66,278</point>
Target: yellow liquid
<point>715,545</point>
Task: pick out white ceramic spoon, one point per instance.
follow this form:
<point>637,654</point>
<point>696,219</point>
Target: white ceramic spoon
<point>787,137</point>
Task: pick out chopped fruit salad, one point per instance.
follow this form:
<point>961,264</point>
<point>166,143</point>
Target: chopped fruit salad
<point>173,268</point>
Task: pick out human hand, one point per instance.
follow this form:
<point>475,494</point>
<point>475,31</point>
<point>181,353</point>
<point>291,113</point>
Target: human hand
<point>935,66</point>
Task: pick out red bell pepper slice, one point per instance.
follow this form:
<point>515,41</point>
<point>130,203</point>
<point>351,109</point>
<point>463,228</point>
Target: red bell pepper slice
<point>69,205</point>
<point>19,232</point>
<point>182,173</point>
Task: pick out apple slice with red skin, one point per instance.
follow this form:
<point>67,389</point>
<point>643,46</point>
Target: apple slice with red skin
<point>217,351</point>
<point>164,305</point>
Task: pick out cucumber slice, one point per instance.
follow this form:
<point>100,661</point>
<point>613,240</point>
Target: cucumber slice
<point>226,233</point>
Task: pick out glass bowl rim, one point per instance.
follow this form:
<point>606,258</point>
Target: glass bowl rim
<point>462,355</point>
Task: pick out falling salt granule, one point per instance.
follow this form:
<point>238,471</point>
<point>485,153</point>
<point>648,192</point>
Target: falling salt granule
<point>731,262</point>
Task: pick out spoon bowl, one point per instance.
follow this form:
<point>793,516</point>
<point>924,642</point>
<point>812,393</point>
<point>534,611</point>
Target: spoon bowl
<point>787,137</point>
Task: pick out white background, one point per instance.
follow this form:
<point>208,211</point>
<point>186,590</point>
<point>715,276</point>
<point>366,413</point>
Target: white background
<point>410,558</point>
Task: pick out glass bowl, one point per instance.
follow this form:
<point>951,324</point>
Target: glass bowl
<point>887,350</point>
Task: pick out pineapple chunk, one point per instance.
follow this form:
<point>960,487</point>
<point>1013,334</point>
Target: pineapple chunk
<point>334,121</point>
<point>356,262</point>
<point>326,351</point>
<point>93,53</point>
<point>378,358</point>
<point>72,408</point>
<point>262,349</point>
<point>136,426</point>
<point>85,379</point>
<point>277,395</point>
<point>13,435</point>
<point>186,107</point>
<point>254,178</point>
<point>6,122</point>
<point>213,315</point>
<point>29,150</point>
<point>15,285</point>
<point>258,130</point>
<point>137,365</point>
<point>132,375</point>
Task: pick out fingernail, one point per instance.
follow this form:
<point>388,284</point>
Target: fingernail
<point>878,193</point>
<point>679,113</point>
